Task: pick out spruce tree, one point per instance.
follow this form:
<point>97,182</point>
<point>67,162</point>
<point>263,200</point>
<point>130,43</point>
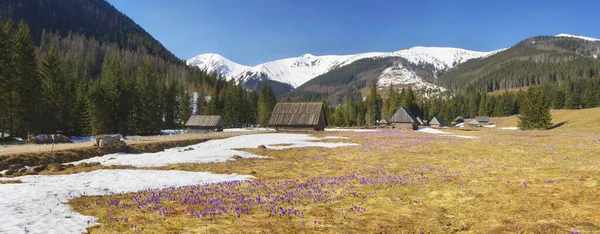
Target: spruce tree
<point>266,103</point>
<point>535,111</point>
<point>588,98</point>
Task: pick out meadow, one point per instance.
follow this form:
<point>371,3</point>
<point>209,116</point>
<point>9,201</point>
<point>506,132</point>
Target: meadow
<point>395,181</point>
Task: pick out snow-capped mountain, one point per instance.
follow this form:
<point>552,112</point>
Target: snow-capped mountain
<point>298,70</point>
<point>215,63</point>
<point>578,37</point>
<point>441,58</point>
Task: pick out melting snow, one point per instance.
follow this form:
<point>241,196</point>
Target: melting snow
<point>38,204</point>
<point>213,150</point>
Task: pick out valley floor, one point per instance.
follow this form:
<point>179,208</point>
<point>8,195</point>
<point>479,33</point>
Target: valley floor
<point>393,181</point>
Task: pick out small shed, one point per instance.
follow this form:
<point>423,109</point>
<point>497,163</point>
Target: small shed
<point>437,122</point>
<point>457,120</point>
<point>472,123</point>
<point>299,116</point>
<point>383,123</point>
<point>404,119</point>
<point>204,123</point>
<point>483,120</point>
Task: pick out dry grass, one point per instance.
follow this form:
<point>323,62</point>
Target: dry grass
<point>502,182</point>
<point>577,121</point>
<point>10,182</point>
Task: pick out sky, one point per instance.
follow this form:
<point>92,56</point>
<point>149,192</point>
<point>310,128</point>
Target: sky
<point>251,32</point>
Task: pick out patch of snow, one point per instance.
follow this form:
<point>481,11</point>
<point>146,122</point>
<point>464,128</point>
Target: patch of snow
<point>400,75</point>
<point>489,126</point>
<point>247,129</point>
<point>431,130</point>
<point>168,132</point>
<point>212,151</point>
<point>578,37</point>
<point>38,204</point>
<point>436,131</point>
<point>510,128</point>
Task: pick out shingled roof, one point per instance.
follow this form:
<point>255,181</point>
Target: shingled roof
<point>297,114</point>
<point>482,119</point>
<point>403,115</point>
<point>437,121</point>
<point>204,121</point>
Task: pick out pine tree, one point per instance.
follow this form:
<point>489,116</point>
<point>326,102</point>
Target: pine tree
<point>30,82</point>
<point>201,102</point>
<point>266,103</point>
<point>51,72</point>
<point>535,111</point>
<point>588,98</point>
<point>8,83</point>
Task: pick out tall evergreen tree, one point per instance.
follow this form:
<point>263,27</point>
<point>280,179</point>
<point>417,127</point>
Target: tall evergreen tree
<point>535,111</point>
<point>30,82</point>
<point>266,103</point>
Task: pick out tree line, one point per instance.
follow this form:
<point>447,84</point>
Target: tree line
<point>570,94</point>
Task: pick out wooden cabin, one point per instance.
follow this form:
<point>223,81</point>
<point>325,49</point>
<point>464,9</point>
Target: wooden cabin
<point>437,122</point>
<point>302,116</point>
<point>458,120</point>
<point>382,123</point>
<point>204,123</point>
<point>404,119</point>
<point>472,123</point>
<point>483,120</point>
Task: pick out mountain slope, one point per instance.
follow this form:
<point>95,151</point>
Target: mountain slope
<point>291,73</point>
<point>215,63</point>
<point>533,61</point>
<point>93,18</point>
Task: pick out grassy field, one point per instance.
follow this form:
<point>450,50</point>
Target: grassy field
<point>395,182</point>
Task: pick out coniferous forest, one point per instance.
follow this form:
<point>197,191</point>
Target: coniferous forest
<point>80,86</point>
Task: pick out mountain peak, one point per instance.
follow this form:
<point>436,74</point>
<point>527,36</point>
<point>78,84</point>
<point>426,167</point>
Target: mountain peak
<point>216,63</point>
<point>576,36</point>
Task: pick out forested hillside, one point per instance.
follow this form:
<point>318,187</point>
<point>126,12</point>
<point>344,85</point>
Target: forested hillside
<point>91,18</point>
<point>534,61</point>
<point>349,80</point>
<point>94,71</point>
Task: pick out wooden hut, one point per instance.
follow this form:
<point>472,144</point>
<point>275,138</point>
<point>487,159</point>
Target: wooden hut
<point>298,116</point>
<point>404,119</point>
<point>472,123</point>
<point>204,123</point>
<point>457,120</point>
<point>437,122</point>
<point>483,120</point>
<point>382,123</point>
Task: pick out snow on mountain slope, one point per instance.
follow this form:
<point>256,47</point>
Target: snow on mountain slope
<point>400,75</point>
<point>578,37</point>
<point>215,63</point>
<point>297,71</point>
<point>441,58</point>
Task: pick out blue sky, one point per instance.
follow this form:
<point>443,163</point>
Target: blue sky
<point>251,32</point>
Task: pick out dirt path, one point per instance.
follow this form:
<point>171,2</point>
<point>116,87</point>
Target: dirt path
<point>33,148</point>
